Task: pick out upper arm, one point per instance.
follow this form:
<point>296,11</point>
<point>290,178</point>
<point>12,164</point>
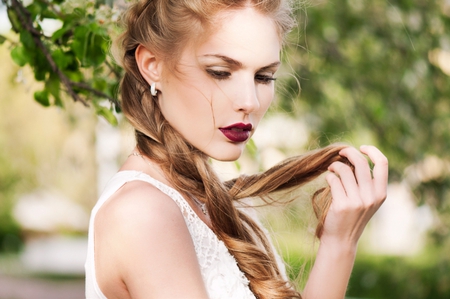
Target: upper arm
<point>142,241</point>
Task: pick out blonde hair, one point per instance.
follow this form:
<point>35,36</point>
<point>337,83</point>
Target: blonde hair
<point>165,27</point>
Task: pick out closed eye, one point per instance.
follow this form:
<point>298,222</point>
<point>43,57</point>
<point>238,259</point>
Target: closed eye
<point>219,75</point>
<point>264,79</point>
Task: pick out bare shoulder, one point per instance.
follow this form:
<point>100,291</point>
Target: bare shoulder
<point>137,202</point>
<point>141,239</point>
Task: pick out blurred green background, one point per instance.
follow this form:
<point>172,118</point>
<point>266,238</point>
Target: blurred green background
<point>362,72</point>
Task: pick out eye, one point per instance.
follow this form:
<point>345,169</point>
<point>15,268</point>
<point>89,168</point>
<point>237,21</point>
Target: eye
<point>219,75</point>
<point>264,79</point>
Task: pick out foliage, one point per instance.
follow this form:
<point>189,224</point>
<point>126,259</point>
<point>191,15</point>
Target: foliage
<point>390,277</point>
<point>74,58</point>
<point>378,72</point>
<point>400,278</point>
<point>372,68</point>
<point>10,239</point>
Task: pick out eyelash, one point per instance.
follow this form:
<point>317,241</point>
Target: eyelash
<point>263,79</point>
<point>222,75</point>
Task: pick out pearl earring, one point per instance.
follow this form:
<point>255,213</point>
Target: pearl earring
<point>153,90</point>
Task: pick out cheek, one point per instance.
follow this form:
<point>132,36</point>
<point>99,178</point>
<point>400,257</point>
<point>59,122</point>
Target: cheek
<point>184,96</point>
<point>265,100</point>
<point>187,108</point>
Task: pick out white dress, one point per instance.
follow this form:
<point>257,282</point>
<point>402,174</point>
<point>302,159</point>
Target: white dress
<point>221,275</point>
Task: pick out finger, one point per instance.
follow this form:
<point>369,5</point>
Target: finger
<point>380,170</point>
<point>362,169</point>
<point>347,178</point>
<point>337,190</point>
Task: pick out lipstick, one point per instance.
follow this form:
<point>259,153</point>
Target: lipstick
<point>237,132</point>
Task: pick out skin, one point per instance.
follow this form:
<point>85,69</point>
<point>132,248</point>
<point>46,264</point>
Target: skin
<point>356,198</point>
<point>155,257</point>
<point>225,80</point>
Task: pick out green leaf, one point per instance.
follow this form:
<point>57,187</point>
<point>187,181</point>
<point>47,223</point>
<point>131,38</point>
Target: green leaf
<point>34,9</point>
<point>27,40</point>
<point>89,46</point>
<point>75,76</point>
<point>117,107</point>
<point>62,59</point>
<point>98,49</point>
<point>113,89</point>
<point>14,20</point>
<point>107,114</point>
<point>42,98</point>
<point>2,39</point>
<point>80,43</point>
<point>49,14</point>
<point>40,74</point>
<point>64,32</point>
<point>52,85</point>
<point>97,29</point>
<point>41,66</point>
<point>74,64</point>
<point>19,55</point>
<point>100,84</point>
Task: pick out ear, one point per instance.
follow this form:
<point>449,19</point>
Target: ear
<point>149,66</point>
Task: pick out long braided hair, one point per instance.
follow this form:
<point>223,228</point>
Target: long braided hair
<point>164,27</point>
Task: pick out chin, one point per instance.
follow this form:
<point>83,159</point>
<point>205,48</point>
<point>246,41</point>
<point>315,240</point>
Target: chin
<point>226,158</point>
<point>227,154</point>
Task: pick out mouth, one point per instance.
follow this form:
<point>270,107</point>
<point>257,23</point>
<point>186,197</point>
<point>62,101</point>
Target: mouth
<point>237,132</point>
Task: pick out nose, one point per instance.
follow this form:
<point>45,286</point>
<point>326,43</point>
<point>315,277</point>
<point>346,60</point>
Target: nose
<point>247,98</point>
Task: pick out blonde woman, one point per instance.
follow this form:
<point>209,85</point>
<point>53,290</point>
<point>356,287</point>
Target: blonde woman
<point>199,77</point>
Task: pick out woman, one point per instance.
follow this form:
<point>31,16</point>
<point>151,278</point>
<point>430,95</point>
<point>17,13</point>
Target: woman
<point>199,78</point>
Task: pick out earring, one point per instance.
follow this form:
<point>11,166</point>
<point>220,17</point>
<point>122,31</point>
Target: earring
<point>153,90</point>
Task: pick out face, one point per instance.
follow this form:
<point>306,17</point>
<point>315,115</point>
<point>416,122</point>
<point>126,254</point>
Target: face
<point>224,85</point>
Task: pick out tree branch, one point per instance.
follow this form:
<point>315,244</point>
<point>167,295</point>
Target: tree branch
<point>50,4</point>
<point>97,92</point>
<point>111,67</point>
<point>27,23</point>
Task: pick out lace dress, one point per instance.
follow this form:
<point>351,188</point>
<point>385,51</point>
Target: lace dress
<point>221,275</point>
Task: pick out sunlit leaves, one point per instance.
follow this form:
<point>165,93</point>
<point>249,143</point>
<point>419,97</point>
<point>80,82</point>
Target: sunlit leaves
<point>365,67</point>
<point>52,85</point>
<point>75,56</point>
<point>107,113</point>
<point>42,97</point>
<point>14,20</point>
<point>63,59</point>
<point>378,70</point>
<point>90,44</point>
<point>19,55</point>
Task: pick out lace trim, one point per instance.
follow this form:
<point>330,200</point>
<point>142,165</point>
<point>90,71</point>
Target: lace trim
<point>221,274</point>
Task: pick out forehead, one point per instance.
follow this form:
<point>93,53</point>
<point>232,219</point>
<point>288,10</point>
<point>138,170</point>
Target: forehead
<point>244,35</point>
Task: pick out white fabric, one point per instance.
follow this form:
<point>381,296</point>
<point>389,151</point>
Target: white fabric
<point>223,279</point>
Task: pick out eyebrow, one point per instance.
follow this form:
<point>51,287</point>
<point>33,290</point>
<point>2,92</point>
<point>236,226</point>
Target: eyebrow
<point>236,63</point>
<point>272,65</point>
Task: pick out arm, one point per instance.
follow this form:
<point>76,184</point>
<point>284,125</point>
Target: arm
<point>356,197</point>
<point>143,247</point>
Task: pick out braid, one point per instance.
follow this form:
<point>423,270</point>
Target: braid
<point>190,173</point>
<point>161,27</point>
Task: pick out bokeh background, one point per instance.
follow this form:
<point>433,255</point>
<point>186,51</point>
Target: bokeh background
<point>361,72</point>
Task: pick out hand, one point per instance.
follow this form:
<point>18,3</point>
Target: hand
<point>356,196</point>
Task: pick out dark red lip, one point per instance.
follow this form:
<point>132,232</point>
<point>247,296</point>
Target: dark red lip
<point>237,132</point>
